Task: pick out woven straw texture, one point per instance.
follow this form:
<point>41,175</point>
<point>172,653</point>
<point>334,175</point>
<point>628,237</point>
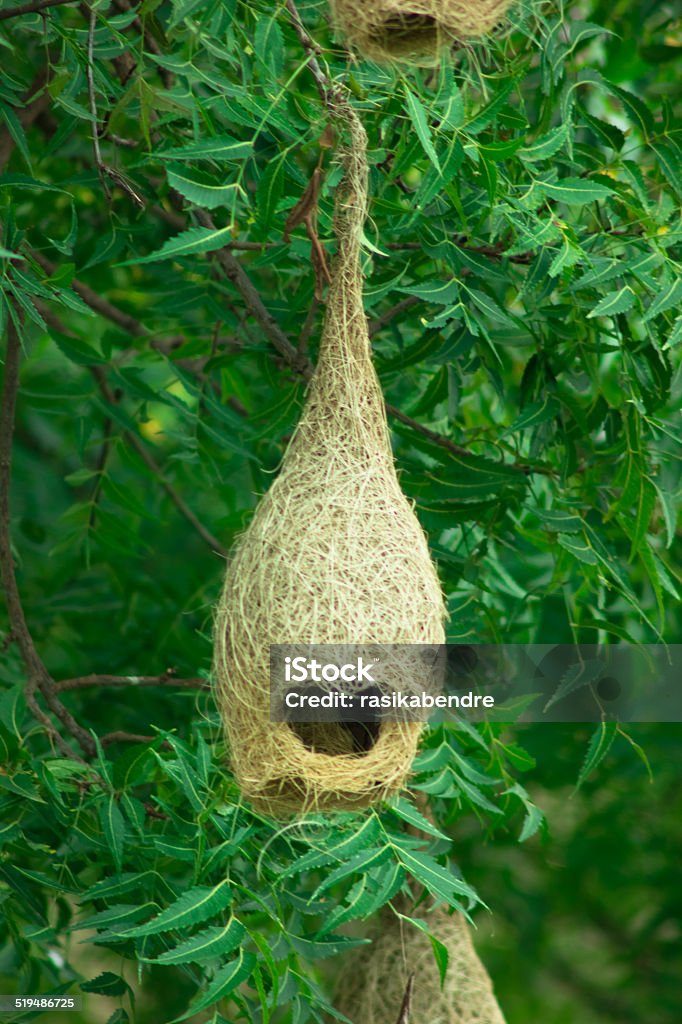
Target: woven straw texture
<point>413,31</point>
<point>371,986</point>
<point>333,554</point>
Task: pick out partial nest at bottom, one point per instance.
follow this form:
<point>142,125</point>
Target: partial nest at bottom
<point>372,984</point>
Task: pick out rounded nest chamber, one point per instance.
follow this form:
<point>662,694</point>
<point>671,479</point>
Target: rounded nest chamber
<point>413,32</point>
<point>333,555</point>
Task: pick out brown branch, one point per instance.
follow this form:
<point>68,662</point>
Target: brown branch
<point>37,676</point>
<point>119,736</point>
<point>149,41</point>
<point>406,1005</point>
<point>166,679</point>
<point>323,82</point>
<point>381,321</point>
<point>100,305</point>
<point>32,8</point>
<point>237,275</point>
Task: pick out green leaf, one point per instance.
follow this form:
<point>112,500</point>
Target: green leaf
<point>578,547</point>
<point>191,242</point>
<point>442,957</point>
<point>573,191</point>
<point>409,813</point>
<point>191,908</point>
<point>532,415</point>
<point>670,165</point>
<point>313,949</point>
<point>362,861</point>
<point>546,145</point>
<point>113,826</point>
<point>440,882</point>
<point>614,302</point>
<point>534,816</point>
<point>199,188</point>
<point>639,113</point>
<point>344,846</point>
<point>669,507</point>
<point>418,117</point>
<point>670,296</point>
<point>225,981</point>
<point>77,350</point>
<point>269,191</point>
<point>205,945</point>
<point>221,148</point>
<point>584,673</point>
<point>599,746</point>
<point>106,984</point>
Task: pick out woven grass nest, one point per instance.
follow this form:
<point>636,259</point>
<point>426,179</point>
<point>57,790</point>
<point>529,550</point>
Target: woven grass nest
<point>372,983</point>
<point>333,555</point>
<point>413,31</point>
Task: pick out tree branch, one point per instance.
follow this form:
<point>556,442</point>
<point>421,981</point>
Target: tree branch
<point>166,679</point>
<point>37,676</point>
<point>32,8</point>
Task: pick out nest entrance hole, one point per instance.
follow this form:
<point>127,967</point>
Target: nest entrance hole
<point>337,739</point>
<point>407,33</point>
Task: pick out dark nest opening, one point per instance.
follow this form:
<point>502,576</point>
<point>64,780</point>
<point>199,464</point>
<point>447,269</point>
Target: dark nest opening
<point>407,33</point>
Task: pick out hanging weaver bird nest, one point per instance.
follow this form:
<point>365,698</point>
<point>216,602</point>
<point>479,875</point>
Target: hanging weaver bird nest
<point>333,555</point>
<point>413,31</point>
<point>373,984</point>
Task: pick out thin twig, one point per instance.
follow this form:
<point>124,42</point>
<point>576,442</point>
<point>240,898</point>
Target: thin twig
<point>167,679</point>
<point>32,8</point>
<point>101,169</point>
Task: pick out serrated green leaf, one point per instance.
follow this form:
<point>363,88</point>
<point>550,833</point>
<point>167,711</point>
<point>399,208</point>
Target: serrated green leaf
<point>573,191</point>
<point>191,242</point>
<point>113,826</point>
<point>191,908</point>
<point>409,813</point>
<point>220,148</point>
<point>440,882</point>
<point>225,981</point>
<point>578,547</point>
<point>546,145</point>
<point>614,302</point>
<point>577,676</point>
<point>418,117</point>
<point>200,189</point>
<point>205,945</point>
<point>599,746</point>
<point>669,297</point>
<point>106,984</point>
